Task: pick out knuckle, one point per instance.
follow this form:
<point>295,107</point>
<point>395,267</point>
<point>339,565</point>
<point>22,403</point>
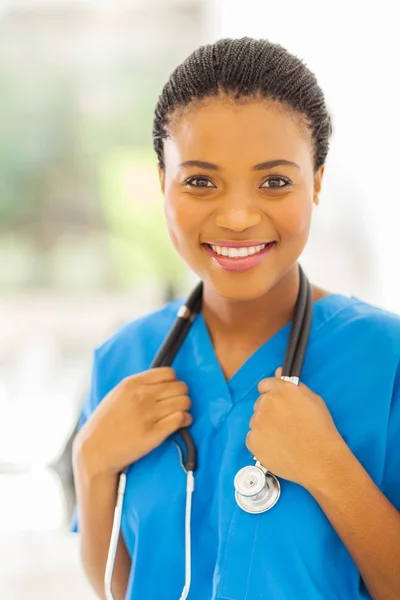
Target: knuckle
<point>140,394</point>
<point>169,372</point>
<point>256,418</point>
<point>125,388</point>
<point>183,388</point>
<point>249,440</point>
<point>180,418</point>
<point>263,401</point>
<point>125,383</point>
<point>266,384</point>
<point>258,403</point>
<point>261,386</point>
<point>186,402</point>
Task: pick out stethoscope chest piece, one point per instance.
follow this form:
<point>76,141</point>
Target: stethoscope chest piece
<point>256,490</point>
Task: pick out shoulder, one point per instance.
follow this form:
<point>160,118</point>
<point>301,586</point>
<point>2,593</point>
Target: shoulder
<point>371,318</point>
<point>147,327</point>
<point>360,323</point>
<point>132,347</point>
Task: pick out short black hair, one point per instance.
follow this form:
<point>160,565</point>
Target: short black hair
<point>244,68</point>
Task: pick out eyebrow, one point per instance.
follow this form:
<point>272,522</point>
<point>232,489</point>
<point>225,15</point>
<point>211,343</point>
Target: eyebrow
<point>269,164</point>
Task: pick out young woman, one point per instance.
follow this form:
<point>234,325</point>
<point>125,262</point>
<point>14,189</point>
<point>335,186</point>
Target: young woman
<point>241,133</point>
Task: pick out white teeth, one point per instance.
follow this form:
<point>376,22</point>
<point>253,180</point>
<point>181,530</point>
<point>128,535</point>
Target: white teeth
<point>237,252</point>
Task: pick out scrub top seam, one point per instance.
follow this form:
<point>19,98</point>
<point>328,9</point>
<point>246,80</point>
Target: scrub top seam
<point>334,315</point>
<point>252,558</point>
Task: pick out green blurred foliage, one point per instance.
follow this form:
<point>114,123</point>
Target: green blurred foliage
<point>133,212</point>
<point>62,204</point>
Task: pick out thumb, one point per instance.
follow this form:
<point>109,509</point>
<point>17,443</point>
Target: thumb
<point>278,375</point>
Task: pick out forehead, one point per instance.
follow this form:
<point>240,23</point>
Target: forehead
<point>224,130</point>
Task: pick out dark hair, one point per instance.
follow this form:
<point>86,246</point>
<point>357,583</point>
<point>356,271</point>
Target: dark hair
<point>245,68</point>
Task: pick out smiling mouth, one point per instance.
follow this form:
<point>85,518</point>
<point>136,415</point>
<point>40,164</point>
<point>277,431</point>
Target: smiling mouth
<point>238,252</point>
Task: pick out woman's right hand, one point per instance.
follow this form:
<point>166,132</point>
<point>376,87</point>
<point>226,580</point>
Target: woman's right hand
<point>133,419</point>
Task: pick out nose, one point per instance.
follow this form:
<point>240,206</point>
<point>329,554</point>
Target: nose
<point>237,216</point>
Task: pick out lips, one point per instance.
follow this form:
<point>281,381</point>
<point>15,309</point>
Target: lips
<point>241,244</point>
<point>239,263</point>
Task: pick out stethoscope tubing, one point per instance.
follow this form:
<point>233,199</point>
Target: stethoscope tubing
<point>292,366</point>
<point>296,331</point>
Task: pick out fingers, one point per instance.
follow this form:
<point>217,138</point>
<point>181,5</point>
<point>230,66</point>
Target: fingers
<point>154,376</point>
<point>170,406</point>
<point>172,423</point>
<point>162,391</point>
<point>258,403</point>
<point>267,385</point>
<point>274,383</point>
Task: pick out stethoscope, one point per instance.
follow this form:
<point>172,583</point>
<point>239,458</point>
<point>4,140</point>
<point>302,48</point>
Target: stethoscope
<point>256,489</point>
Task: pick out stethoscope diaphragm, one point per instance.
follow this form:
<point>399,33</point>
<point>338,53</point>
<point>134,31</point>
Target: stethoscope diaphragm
<point>256,490</point>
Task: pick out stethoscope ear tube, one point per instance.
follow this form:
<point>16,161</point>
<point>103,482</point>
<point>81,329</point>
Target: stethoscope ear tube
<point>305,333</point>
<point>297,327</point>
<point>166,354</point>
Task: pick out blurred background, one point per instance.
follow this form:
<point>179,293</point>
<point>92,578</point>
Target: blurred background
<point>83,245</point>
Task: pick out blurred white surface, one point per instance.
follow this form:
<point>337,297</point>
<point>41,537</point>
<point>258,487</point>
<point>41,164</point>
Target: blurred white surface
<point>42,566</point>
<point>32,501</point>
<point>39,557</point>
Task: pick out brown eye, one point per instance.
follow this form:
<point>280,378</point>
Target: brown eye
<point>276,183</point>
<point>199,182</point>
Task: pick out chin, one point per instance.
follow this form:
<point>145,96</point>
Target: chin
<point>236,287</point>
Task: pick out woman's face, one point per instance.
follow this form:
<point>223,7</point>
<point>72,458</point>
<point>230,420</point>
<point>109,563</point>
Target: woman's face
<point>238,176</point>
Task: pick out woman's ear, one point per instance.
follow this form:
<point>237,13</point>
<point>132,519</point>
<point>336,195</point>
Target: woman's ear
<point>161,176</point>
<point>318,184</point>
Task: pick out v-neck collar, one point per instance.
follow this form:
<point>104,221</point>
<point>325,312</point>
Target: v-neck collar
<point>262,363</point>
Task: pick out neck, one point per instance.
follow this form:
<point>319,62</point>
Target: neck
<point>251,321</point>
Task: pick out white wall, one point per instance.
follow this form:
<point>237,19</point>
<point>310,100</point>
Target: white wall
<point>354,49</point>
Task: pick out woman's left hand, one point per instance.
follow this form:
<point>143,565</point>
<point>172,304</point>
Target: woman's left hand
<point>292,432</point>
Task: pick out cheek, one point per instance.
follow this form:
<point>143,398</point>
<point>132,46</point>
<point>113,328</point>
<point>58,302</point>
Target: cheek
<point>183,221</point>
<point>293,218</point>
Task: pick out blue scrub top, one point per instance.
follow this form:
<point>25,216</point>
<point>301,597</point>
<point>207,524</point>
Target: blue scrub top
<point>291,551</point>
